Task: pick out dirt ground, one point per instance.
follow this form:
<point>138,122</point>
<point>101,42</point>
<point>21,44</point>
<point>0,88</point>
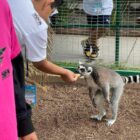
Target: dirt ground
<point>63,111</point>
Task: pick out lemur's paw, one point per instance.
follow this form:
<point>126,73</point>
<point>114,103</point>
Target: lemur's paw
<point>110,122</point>
<point>108,100</point>
<point>96,117</point>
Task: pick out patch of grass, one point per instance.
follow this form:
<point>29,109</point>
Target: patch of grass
<point>67,64</point>
<point>122,67</point>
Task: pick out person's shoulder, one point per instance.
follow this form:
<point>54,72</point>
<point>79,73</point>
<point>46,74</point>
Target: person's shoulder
<point>21,7</point>
<point>26,17</point>
<point>34,25</point>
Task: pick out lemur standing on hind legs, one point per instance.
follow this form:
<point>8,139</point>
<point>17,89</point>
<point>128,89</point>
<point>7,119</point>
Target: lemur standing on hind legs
<point>101,82</point>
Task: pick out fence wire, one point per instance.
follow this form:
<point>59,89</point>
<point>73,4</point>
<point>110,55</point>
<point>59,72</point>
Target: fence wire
<point>120,43</point>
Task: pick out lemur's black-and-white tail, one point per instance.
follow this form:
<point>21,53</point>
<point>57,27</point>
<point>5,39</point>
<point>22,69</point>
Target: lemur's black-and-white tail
<point>131,79</point>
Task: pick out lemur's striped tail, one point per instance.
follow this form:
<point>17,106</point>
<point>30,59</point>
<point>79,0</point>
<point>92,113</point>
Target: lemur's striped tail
<point>131,79</point>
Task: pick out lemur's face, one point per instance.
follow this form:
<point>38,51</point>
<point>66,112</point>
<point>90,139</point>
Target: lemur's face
<point>84,69</point>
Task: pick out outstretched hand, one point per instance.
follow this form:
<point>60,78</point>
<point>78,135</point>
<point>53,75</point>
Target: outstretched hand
<point>69,76</point>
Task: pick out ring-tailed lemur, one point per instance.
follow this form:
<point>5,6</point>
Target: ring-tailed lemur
<point>101,81</point>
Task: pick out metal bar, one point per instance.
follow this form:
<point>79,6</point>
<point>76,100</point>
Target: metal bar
<point>118,20</point>
<point>121,72</point>
<point>91,26</point>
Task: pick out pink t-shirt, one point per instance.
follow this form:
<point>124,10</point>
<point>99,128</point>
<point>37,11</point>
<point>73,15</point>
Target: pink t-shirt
<point>9,49</point>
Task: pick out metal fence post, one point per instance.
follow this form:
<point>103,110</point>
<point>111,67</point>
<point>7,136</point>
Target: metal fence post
<point>118,21</point>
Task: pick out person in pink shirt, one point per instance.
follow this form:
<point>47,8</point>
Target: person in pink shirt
<point>9,50</point>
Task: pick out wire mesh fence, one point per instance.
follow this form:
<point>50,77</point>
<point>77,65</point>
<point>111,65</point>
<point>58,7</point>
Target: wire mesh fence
<point>120,43</point>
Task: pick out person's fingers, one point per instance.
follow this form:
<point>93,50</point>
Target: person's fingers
<point>76,77</point>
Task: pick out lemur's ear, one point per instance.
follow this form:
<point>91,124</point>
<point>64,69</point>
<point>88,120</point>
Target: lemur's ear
<point>90,69</point>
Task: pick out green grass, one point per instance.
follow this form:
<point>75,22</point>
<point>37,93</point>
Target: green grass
<point>66,64</point>
<point>112,66</point>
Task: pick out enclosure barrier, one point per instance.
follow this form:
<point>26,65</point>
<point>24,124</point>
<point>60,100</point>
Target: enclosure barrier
<point>124,23</point>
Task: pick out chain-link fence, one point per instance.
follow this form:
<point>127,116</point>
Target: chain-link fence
<point>119,45</point>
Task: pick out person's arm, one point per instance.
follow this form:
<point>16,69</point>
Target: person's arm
<point>51,68</point>
<point>31,136</point>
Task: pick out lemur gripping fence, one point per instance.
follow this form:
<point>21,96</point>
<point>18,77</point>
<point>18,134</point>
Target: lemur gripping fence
<point>119,47</point>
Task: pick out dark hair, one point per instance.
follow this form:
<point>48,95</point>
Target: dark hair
<point>57,3</point>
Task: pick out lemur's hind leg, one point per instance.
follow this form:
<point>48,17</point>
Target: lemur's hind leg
<point>99,102</point>
<point>116,95</point>
<point>106,92</point>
